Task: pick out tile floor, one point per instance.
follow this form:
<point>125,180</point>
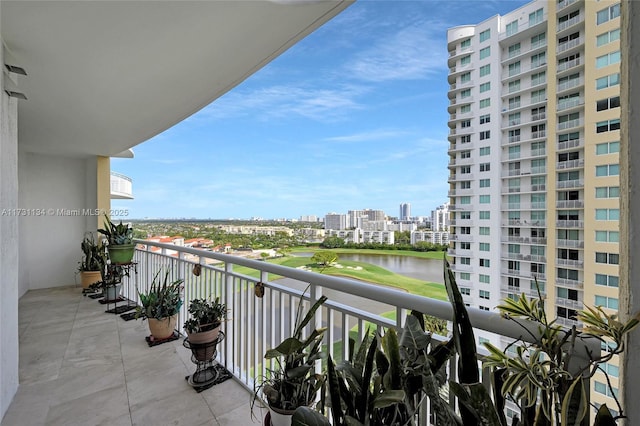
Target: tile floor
<point>82,366</point>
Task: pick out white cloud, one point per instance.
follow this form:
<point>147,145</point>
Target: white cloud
<point>411,53</point>
<point>317,103</point>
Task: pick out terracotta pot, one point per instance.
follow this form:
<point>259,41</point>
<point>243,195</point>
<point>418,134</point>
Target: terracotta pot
<point>280,417</point>
<point>122,253</point>
<point>204,336</point>
<point>163,328</point>
<point>89,277</point>
<point>201,346</point>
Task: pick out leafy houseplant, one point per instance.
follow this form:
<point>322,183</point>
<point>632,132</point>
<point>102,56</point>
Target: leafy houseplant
<point>206,316</point>
<point>160,305</point>
<point>386,380</point>
<point>204,326</point>
<point>92,263</point>
<point>542,376</point>
<point>293,382</point>
<point>120,238</point>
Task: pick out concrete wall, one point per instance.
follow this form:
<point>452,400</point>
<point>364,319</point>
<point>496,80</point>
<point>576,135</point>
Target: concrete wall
<point>8,247</point>
<point>630,205</point>
<point>50,242</point>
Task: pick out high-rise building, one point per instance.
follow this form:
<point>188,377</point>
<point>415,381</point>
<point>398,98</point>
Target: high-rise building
<point>440,218</point>
<point>405,211</point>
<point>335,221</point>
<point>534,141</point>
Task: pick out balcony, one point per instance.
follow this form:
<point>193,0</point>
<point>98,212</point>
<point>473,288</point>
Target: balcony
<point>570,243</point>
<point>570,204</point>
<point>88,367</point>
<point>570,144</point>
<point>570,262</point>
<point>121,187</point>
<point>570,164</point>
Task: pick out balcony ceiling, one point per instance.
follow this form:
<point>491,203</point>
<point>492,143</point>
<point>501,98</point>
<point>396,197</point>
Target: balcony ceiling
<point>104,76</point>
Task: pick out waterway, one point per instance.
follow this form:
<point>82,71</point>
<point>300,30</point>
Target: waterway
<point>415,267</point>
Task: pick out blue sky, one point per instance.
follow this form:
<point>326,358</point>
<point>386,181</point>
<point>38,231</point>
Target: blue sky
<point>352,117</point>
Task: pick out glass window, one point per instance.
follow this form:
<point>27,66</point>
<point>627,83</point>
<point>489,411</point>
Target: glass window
<point>485,199</point>
<point>485,150</point>
<point>465,60</point>
<point>608,37</point>
<point>607,14</point>
<point>512,28</point>
<point>514,50</point>
<point>608,59</point>
<point>486,118</point>
<point>485,247</point>
<point>485,70</point>
<point>485,35</point>
<point>485,52</point>
<point>484,103</point>
<point>465,78</point>
<point>484,230</point>
<point>608,81</point>
<point>465,276</point>
<point>485,87</point>
<point>535,17</point>
<point>485,214</point>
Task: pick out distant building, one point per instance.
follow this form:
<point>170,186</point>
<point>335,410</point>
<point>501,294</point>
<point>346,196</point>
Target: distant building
<point>434,237</point>
<point>405,211</point>
<point>335,221</point>
<point>348,235</point>
<point>440,218</point>
<point>309,218</point>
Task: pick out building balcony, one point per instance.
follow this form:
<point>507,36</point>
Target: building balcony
<point>82,366</point>
<point>566,184</point>
<point>90,357</point>
<point>570,243</point>
<point>569,204</point>
<point>571,44</point>
<point>574,143</point>
<point>563,26</point>
<point>121,187</point>
<point>569,283</point>
<point>570,164</point>
<point>570,262</point>
<point>570,224</point>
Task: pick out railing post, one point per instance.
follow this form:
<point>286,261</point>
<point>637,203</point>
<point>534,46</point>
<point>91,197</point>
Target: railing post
<point>315,293</point>
<point>229,340</point>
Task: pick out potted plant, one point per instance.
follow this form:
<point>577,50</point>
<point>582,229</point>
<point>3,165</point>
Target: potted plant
<point>203,327</point>
<point>92,263</point>
<point>120,238</point>
<point>160,305</point>
<point>292,381</point>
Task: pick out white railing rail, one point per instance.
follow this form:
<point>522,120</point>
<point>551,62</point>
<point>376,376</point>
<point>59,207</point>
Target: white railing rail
<point>257,324</point>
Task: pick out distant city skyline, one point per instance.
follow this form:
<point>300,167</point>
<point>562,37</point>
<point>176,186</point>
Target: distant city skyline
<point>353,115</point>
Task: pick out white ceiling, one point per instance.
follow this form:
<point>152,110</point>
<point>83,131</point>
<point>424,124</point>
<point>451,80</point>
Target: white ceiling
<point>104,76</point>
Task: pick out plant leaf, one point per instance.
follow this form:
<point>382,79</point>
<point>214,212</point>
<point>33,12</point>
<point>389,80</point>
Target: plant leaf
<point>574,404</point>
<point>305,416</point>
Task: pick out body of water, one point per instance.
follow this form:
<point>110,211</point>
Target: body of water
<point>423,269</point>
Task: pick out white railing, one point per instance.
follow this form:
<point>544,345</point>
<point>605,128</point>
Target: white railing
<point>259,323</point>
<point>121,186</point>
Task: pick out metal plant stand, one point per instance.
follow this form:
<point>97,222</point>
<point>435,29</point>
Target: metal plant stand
<point>203,355</point>
<point>114,274</point>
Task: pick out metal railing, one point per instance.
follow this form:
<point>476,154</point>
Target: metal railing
<point>258,323</point>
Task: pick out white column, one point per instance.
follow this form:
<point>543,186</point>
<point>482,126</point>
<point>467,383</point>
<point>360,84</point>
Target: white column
<point>8,246</point>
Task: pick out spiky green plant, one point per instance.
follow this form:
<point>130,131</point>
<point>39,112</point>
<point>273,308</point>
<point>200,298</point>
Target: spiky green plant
<point>163,299</point>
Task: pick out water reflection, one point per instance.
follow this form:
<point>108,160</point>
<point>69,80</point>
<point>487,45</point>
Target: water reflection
<point>422,269</point>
